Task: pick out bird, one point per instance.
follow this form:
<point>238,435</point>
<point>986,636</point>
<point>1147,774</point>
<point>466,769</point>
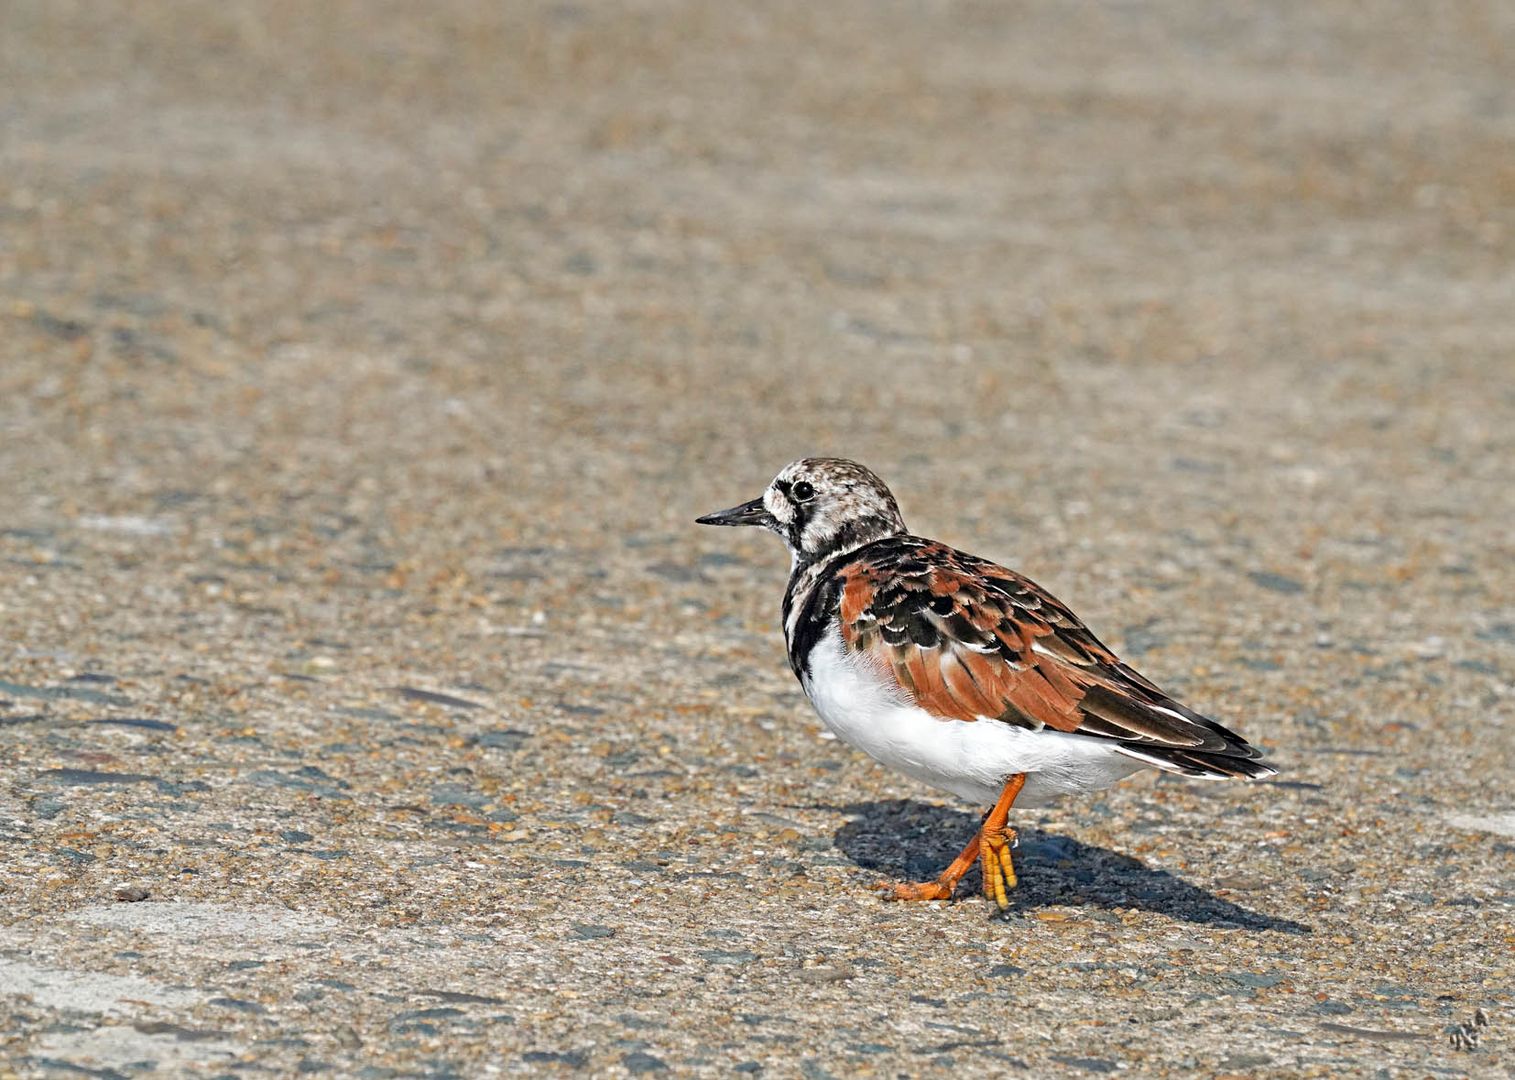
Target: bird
<point>960,673</point>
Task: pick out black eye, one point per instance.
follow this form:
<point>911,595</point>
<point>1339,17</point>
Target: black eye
<point>802,491</point>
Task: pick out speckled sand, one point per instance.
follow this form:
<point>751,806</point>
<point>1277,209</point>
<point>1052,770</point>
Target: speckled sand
<point>357,354</point>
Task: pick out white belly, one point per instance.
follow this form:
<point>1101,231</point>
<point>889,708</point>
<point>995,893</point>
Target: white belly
<point>969,758</point>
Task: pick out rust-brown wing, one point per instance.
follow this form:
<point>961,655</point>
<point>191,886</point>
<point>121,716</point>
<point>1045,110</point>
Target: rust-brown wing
<point>970,640</point>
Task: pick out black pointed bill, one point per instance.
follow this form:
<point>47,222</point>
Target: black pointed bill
<point>749,513</point>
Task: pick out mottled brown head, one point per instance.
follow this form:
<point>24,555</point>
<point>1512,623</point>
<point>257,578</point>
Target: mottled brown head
<point>821,507</point>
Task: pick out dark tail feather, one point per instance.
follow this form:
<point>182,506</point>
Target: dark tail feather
<point>1244,765</point>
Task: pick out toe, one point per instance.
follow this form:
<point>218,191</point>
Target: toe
<point>917,890</point>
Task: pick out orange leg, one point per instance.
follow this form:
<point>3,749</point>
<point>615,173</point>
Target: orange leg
<point>942,887</point>
<point>995,839</point>
<point>991,844</point>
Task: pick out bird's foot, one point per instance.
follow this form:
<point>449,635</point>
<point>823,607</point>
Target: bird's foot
<point>999,870</point>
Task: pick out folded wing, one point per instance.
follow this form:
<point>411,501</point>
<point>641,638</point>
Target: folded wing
<point>970,640</point>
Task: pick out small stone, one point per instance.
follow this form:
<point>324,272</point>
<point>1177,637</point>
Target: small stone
<point>1276,582</point>
<point>62,693</point>
<point>90,777</point>
<point>580,264</point>
<point>178,1031</point>
<point>1255,981</point>
<point>574,1059</point>
<point>676,572</point>
<point>131,894</point>
<point>590,932</point>
<point>827,973</point>
<point>457,997</point>
<point>365,713</point>
<point>639,1061</point>
<point>138,722</point>
<point>1087,1064</point>
<point>452,794</point>
<point>308,778</point>
<point>724,956</point>
<point>1245,1061</point>
<point>501,738</point>
<point>431,697</point>
<point>442,1012</point>
<point>239,1005</point>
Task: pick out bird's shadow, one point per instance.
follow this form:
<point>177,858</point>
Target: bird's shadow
<point>907,840</point>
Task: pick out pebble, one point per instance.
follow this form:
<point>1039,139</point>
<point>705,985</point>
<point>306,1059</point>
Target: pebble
<point>431,697</point>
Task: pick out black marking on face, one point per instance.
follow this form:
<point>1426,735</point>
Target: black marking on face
<point>794,528</point>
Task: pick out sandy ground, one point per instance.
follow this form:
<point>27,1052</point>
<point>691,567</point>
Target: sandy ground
<point>362,367</point>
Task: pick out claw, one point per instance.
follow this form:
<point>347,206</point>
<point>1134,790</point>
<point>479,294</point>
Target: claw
<point>1007,863</point>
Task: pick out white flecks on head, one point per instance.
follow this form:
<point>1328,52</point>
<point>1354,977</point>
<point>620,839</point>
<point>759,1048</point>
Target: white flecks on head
<point>775,502</point>
<point>825,506</point>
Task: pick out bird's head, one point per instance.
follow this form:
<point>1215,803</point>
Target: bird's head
<point>820,507</point>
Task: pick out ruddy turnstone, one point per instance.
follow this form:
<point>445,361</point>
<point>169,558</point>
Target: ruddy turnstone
<point>958,672</point>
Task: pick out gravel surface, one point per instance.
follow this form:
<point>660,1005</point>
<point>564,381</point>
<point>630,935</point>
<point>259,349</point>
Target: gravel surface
<point>370,705</point>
